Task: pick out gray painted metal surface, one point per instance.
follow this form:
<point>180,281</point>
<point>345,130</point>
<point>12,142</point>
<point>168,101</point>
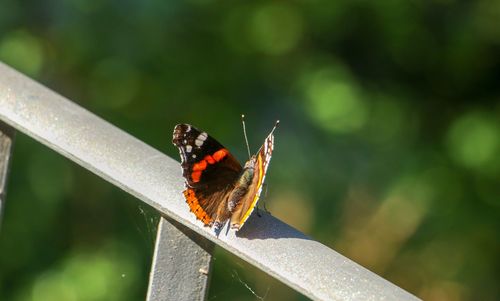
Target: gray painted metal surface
<point>276,248</point>
<point>181,264</point>
<point>6,141</point>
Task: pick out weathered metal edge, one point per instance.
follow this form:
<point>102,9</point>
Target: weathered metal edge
<point>7,134</point>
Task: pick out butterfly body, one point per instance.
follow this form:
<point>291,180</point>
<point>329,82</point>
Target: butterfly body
<point>218,188</point>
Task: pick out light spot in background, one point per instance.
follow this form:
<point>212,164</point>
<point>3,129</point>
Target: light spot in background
<point>294,208</point>
<point>53,286</point>
<point>485,20</point>
<point>334,101</point>
<point>22,51</point>
<point>87,275</point>
<point>276,28</point>
<point>113,83</point>
<point>443,257</point>
<point>474,140</point>
<point>431,268</point>
<point>376,238</point>
<point>443,290</point>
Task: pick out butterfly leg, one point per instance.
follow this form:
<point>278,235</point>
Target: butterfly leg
<point>218,228</point>
<point>264,198</point>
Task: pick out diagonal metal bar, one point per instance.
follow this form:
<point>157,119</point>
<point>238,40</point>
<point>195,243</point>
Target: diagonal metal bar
<point>276,248</point>
<point>6,141</point>
<point>181,264</point>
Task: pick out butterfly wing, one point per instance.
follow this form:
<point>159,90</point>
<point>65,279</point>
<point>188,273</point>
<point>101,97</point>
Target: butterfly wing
<point>210,171</point>
<point>248,203</point>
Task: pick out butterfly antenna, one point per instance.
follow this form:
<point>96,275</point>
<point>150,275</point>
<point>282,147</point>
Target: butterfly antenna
<point>245,133</point>
<point>275,126</point>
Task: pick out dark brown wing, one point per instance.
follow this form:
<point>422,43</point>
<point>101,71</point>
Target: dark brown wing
<point>210,171</point>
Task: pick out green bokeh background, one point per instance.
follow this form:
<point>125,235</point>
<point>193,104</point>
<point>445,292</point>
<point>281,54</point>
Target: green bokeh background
<point>388,149</point>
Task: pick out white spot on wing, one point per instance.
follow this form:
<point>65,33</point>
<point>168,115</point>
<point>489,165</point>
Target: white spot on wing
<point>200,139</point>
<point>203,136</point>
<point>188,148</point>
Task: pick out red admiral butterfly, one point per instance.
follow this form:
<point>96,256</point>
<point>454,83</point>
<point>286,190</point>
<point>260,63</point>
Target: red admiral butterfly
<point>218,188</point>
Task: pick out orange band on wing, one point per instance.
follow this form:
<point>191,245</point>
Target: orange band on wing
<point>195,176</point>
<point>209,159</point>
<point>220,154</point>
<point>195,207</point>
<point>202,164</point>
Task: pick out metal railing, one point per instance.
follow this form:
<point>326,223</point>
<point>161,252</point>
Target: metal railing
<point>154,178</point>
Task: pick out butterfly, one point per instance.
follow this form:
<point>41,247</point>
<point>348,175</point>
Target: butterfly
<point>218,188</point>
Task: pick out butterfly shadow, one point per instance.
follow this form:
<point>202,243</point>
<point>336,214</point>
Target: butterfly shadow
<point>266,226</point>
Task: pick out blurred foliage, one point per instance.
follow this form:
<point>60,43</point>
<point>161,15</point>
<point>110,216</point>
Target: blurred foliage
<point>388,150</point>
